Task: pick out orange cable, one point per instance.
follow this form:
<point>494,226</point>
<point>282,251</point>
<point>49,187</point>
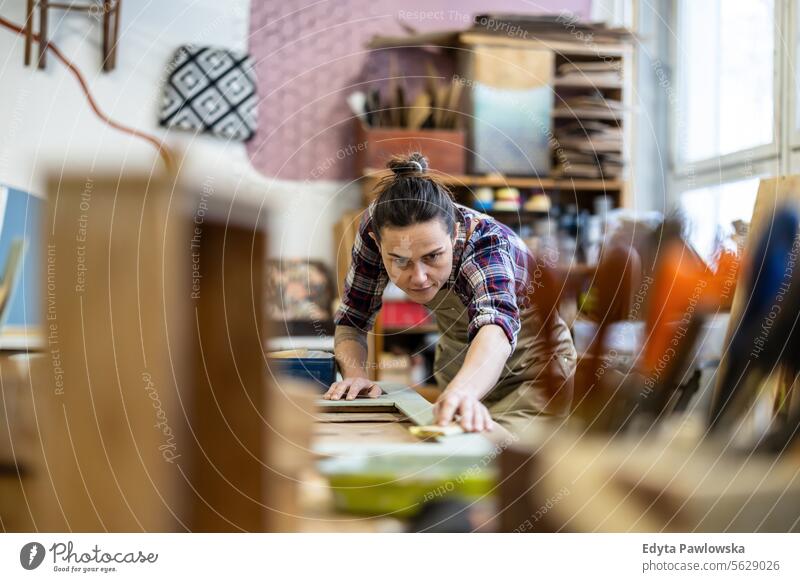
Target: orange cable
<point>163,151</point>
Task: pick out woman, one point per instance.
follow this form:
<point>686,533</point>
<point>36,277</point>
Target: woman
<point>473,273</point>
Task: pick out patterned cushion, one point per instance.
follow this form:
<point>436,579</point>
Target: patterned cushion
<point>211,90</point>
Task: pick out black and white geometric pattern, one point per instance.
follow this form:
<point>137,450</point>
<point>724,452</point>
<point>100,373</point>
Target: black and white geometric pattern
<point>211,90</point>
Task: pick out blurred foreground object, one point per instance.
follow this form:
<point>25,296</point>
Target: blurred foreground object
<point>151,405</point>
<point>753,399</point>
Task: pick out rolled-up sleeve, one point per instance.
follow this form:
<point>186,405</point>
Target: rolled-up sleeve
<point>489,273</point>
<point>365,282</point>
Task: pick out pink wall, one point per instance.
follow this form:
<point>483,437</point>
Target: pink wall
<point>310,55</point>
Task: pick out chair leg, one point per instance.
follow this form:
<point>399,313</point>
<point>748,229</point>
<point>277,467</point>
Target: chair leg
<point>43,33</point>
<point>106,34</point>
<point>115,36</point>
<point>29,31</point>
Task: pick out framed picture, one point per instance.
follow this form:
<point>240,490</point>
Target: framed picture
<point>21,270</point>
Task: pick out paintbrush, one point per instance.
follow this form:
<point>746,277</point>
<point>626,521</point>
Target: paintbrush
<point>397,93</point>
<point>420,111</point>
<point>451,114</point>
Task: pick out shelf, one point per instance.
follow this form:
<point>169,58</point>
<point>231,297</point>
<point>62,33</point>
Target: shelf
<point>520,212</point>
<point>555,43</point>
<point>499,181</point>
<point>586,114</point>
<point>605,86</point>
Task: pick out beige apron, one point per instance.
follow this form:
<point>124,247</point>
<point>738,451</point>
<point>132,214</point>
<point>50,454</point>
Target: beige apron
<point>521,393</point>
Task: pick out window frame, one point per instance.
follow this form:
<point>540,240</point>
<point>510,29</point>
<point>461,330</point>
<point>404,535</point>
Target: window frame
<point>791,143</point>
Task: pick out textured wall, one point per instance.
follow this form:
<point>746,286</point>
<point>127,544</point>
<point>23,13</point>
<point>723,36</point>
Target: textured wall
<point>310,55</point>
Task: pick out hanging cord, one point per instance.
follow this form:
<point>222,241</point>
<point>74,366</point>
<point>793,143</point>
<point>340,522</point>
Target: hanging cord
<point>163,151</point>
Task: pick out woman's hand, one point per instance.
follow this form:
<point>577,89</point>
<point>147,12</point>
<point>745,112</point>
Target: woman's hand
<point>463,406</point>
<point>352,387</point>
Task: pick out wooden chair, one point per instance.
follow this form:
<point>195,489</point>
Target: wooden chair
<point>108,9</point>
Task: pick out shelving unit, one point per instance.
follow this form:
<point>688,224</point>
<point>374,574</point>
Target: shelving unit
<point>574,190</point>
<point>371,177</point>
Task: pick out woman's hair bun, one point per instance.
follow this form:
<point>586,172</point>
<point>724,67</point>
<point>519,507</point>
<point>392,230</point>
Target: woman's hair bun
<point>414,164</point>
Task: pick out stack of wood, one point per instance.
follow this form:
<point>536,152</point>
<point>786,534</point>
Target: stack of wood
<point>589,149</point>
<point>605,73</point>
<point>553,27</point>
<point>594,106</point>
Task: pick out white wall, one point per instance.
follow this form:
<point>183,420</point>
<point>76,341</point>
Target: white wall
<point>45,121</point>
<point>303,215</point>
<point>46,124</point>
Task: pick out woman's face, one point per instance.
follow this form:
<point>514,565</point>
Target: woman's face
<point>418,258</point>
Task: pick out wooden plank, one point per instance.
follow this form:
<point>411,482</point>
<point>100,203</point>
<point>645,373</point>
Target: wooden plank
<point>358,407</point>
<point>17,439</point>
<point>772,193</point>
<point>158,417</point>
<point>344,236</point>
<point>414,406</point>
<point>376,432</point>
<point>531,68</point>
<point>561,47</point>
<point>228,452</point>
<point>358,417</point>
<point>109,421</point>
<point>289,451</point>
<point>401,399</point>
<point>380,404</point>
<point>395,397</point>
<point>588,84</point>
<point>456,38</point>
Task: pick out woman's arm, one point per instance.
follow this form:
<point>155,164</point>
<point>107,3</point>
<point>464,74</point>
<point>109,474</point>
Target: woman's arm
<point>483,364</point>
<point>488,274</point>
<point>361,300</point>
<point>350,351</point>
<point>486,356</point>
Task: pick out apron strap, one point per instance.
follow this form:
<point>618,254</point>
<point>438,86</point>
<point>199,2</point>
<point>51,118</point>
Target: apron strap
<point>474,224</point>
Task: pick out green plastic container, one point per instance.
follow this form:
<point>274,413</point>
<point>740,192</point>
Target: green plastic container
<point>398,485</point>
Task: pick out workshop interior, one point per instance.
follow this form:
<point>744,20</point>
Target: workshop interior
<point>347,266</point>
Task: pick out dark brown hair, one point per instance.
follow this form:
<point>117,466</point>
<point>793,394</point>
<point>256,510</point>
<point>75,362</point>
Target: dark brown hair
<point>409,195</point>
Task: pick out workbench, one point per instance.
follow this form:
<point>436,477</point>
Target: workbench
<point>366,443</point>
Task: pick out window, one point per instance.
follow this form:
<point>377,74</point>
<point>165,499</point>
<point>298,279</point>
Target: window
<point>725,62</point>
<point>727,126</point>
<point>711,211</point>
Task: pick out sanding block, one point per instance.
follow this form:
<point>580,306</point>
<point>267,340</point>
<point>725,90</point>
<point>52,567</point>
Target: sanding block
<point>435,430</point>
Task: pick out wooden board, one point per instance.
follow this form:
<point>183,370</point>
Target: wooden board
<point>150,408</point>
<point>772,193</point>
<point>396,397</point>
<point>531,67</point>
<point>344,237</point>
<point>399,400</point>
<point>374,416</point>
<point>109,415</point>
<point>376,432</point>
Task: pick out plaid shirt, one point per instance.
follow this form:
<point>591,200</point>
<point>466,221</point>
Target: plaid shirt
<point>490,275</point>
